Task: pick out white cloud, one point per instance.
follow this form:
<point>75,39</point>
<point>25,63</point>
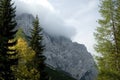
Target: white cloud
<point>83,15</point>
<point>50,19</point>
<point>43,3</point>
<point>75,19</point>
<point>86,9</point>
<point>32,6</point>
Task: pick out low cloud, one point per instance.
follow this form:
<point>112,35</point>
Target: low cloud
<point>75,19</point>
<point>50,19</point>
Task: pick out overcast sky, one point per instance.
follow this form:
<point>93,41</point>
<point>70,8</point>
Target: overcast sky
<point>75,19</point>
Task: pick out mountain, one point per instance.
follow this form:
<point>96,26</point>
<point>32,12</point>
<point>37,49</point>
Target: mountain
<point>62,53</point>
<point>54,74</point>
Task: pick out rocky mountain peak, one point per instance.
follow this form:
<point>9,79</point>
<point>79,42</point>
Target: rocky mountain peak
<point>62,53</point>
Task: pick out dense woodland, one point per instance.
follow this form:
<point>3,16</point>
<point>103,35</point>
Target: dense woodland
<point>22,58</point>
<point>17,62</point>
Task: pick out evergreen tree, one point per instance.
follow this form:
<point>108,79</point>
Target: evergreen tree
<point>37,46</point>
<point>7,34</point>
<point>108,40</point>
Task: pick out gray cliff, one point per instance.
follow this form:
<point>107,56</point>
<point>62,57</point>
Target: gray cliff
<point>62,53</point>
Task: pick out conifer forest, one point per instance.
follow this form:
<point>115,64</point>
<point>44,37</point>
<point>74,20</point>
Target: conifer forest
<point>31,51</point>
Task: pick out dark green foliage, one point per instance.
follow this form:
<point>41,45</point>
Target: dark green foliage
<point>7,34</point>
<point>36,45</point>
<point>58,75</point>
<point>108,40</point>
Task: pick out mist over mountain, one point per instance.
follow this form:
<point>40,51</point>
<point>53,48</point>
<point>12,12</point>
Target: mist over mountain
<point>62,53</point>
<point>50,20</point>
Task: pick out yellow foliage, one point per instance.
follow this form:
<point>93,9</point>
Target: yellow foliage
<point>25,53</point>
<point>25,69</point>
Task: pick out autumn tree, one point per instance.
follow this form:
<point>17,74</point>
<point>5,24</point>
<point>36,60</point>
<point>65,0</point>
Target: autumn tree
<point>108,40</point>
<point>26,55</point>
<point>7,35</point>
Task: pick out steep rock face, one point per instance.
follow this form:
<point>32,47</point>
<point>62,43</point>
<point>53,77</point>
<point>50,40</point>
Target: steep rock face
<point>62,53</point>
<point>71,57</point>
<point>25,21</point>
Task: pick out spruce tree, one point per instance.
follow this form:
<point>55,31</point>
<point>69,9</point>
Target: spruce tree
<point>37,46</point>
<point>108,40</point>
<point>7,33</point>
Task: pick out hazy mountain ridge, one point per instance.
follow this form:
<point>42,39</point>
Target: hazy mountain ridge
<point>62,53</point>
<point>71,57</point>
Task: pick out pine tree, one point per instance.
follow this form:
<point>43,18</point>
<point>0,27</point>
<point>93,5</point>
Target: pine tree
<point>108,40</point>
<point>37,46</point>
<point>7,33</point>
